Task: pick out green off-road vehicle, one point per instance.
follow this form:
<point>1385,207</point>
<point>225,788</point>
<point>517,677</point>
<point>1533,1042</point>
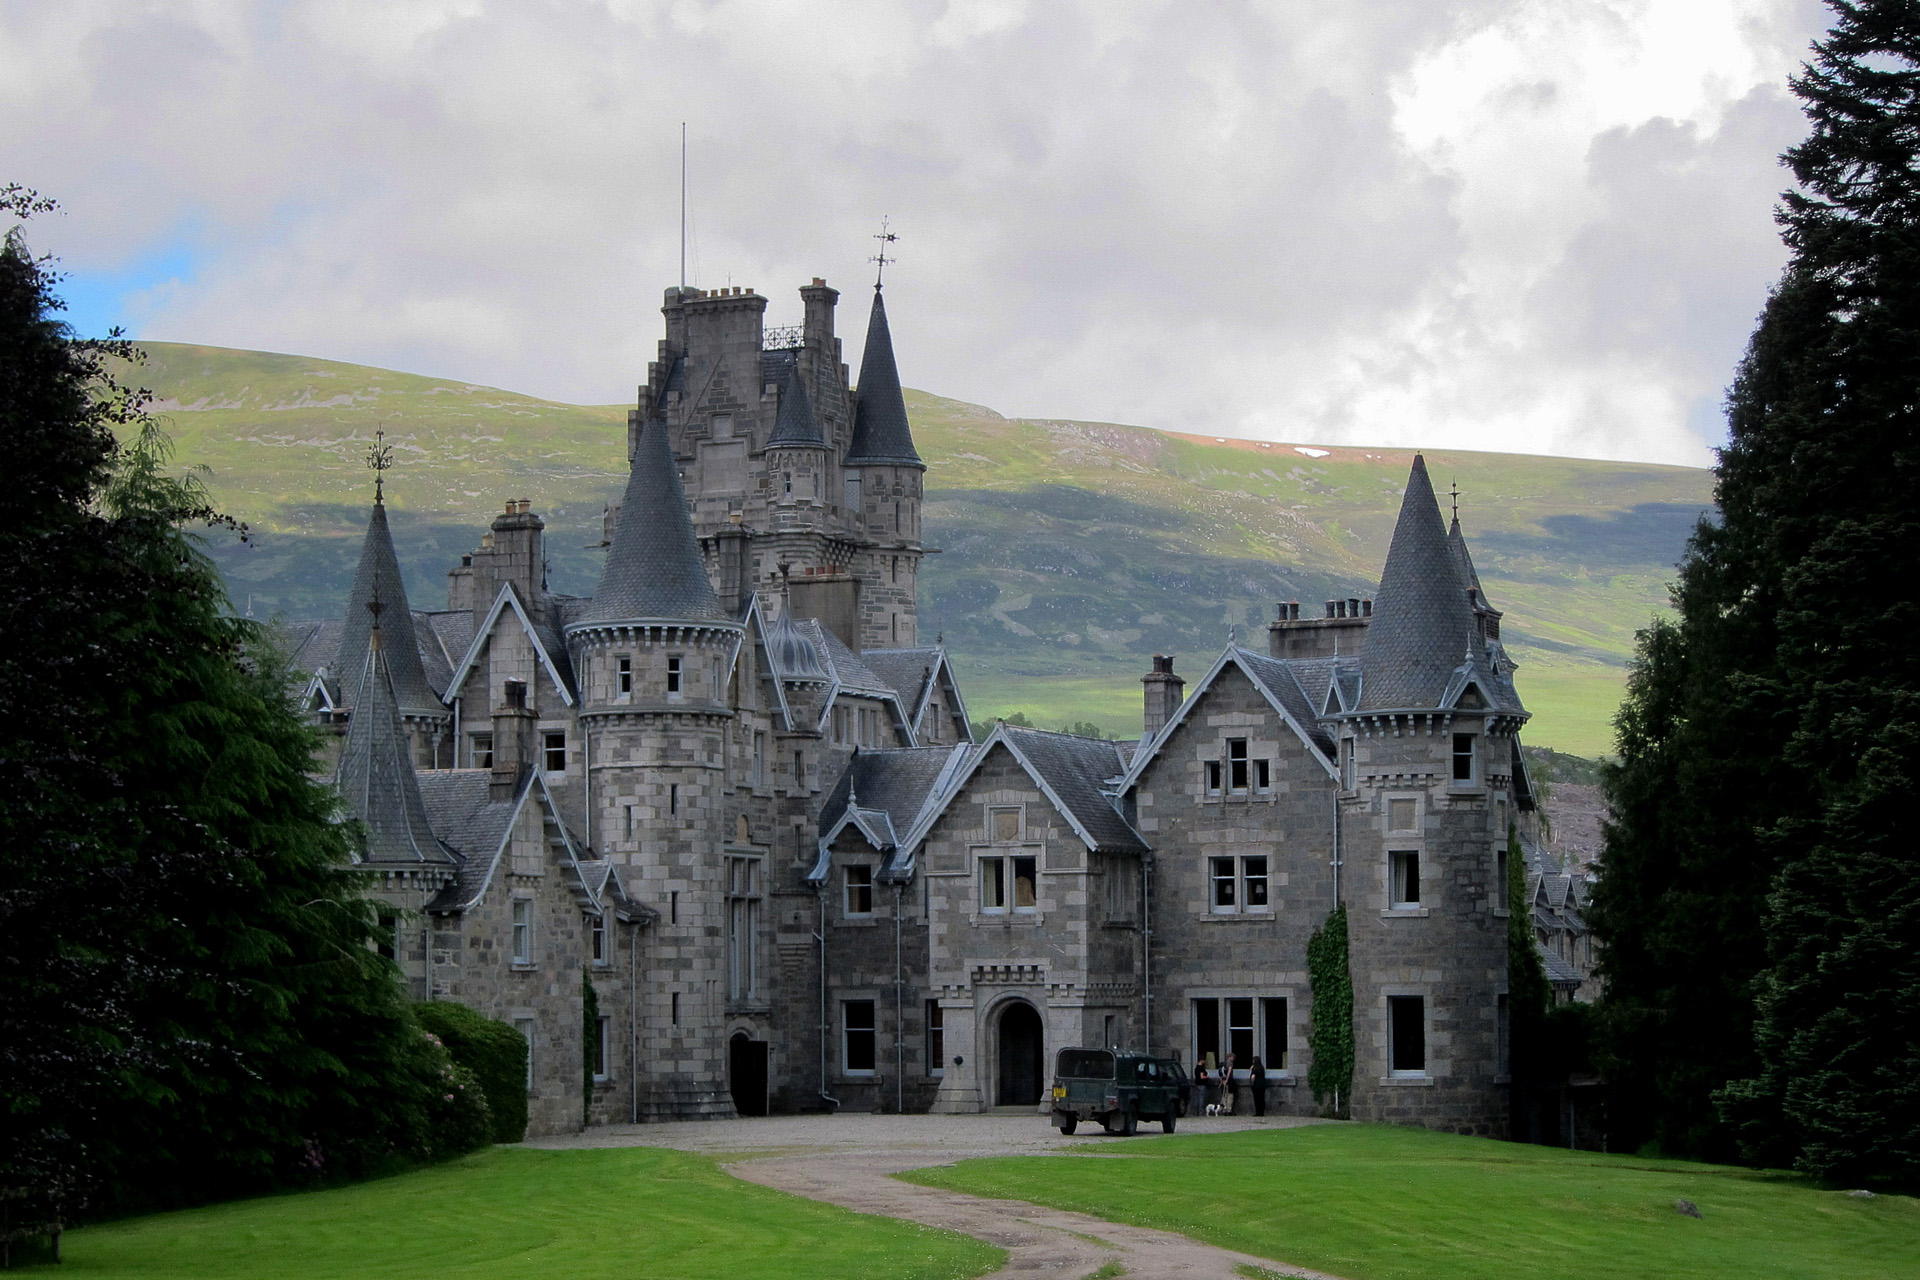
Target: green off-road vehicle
<point>1117,1088</point>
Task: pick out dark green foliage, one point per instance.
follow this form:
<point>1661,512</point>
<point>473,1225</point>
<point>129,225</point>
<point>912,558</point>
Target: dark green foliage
<point>494,1052</point>
<point>589,1043</point>
<point>1528,995</point>
<point>191,1008</point>
<point>1331,1037</point>
<point>1757,908</point>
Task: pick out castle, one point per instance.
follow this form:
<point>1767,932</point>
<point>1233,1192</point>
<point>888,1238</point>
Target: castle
<point>734,794</point>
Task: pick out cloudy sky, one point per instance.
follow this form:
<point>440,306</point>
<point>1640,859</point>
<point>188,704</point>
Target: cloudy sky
<point>1534,225</point>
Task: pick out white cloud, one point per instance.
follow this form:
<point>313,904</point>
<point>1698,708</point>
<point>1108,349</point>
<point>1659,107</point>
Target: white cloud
<point>1539,225</point>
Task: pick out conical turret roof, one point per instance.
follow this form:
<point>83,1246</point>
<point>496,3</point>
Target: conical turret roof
<point>794,425</point>
<point>1423,626</point>
<point>880,430</point>
<point>654,568</point>
<point>1463,563</point>
<point>378,578</point>
<point>376,776</point>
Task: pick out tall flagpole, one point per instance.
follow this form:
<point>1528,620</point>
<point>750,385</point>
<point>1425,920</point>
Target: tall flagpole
<point>683,204</point>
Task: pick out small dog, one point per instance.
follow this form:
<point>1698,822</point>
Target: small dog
<point>1213,1108</point>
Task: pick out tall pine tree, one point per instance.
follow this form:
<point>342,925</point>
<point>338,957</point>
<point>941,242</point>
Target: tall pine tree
<point>190,1005</point>
<point>1756,907</point>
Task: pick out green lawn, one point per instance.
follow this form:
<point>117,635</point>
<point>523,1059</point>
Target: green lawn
<point>637,1214</point>
<point>1372,1202</point>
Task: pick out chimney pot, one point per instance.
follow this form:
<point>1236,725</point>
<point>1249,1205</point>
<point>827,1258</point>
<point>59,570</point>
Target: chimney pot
<point>1353,607</point>
<point>1329,608</point>
<point>510,506</point>
<point>1366,608</point>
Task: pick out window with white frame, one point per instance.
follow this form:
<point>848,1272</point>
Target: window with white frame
<point>1262,774</point>
<point>527,1028</point>
<point>480,750</point>
<point>603,1049</point>
<point>857,1055</point>
<point>743,928</point>
<point>859,886</point>
<point>673,675</point>
<point>1244,1026</point>
<point>1407,1035</point>
<point>936,1039</point>
<point>1009,882</point>
<point>623,675</point>
<point>554,751</point>
<point>1465,758</point>
<point>522,931</point>
<point>1403,879</point>
<point>1213,777</point>
<point>1238,884</point>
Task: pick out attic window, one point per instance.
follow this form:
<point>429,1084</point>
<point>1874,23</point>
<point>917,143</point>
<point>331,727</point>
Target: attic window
<point>597,934</point>
<point>481,751</point>
<point>1237,763</point>
<point>859,891</point>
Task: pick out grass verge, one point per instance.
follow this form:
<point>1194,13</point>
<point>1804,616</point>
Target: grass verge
<point>1383,1203</point>
<point>635,1213</point>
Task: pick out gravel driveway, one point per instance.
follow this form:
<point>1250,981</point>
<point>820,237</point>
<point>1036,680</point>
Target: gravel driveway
<point>848,1160</point>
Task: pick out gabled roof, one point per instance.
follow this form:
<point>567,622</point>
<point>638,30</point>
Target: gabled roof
<point>376,778</point>
<point>546,645</point>
<point>883,794</point>
<point>653,568</point>
<point>463,799</point>
<point>1080,776</point>
<point>1422,622</point>
<point>1274,678</point>
<point>794,425</point>
<point>378,577</point>
<point>914,674</point>
<point>880,430</point>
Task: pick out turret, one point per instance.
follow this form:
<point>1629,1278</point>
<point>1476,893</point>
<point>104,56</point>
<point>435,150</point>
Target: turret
<point>883,491</point>
<point>424,716</point>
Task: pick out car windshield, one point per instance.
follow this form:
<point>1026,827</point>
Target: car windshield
<point>1085,1064</point>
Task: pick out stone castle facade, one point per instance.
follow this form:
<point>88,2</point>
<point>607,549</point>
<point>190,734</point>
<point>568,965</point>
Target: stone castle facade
<point>735,794</point>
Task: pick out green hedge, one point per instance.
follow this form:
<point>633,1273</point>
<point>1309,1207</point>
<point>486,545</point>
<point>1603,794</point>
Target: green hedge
<point>494,1052</point>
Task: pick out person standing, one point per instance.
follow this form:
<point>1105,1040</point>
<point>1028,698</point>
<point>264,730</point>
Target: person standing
<point>1199,1088</point>
<point>1257,1082</point>
<point>1229,1087</point>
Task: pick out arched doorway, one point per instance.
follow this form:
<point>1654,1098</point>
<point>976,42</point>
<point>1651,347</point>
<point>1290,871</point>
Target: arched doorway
<point>747,1073</point>
<point>1023,1053</point>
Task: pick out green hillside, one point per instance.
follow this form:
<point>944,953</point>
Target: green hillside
<point>1070,550</point>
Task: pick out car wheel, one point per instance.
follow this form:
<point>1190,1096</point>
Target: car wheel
<point>1166,1122</point>
<point>1068,1123</point>
<point>1129,1125</point>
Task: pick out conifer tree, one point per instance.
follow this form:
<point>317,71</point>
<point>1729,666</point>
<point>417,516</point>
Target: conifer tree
<point>190,1007</point>
<point>1757,907</point>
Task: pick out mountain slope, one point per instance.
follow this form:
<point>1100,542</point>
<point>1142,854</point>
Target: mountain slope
<point>1070,551</point>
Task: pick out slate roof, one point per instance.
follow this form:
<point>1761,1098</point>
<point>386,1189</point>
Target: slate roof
<point>908,672</point>
<point>1078,771</point>
<point>1559,972</point>
<point>376,778</point>
<point>1282,679</point>
<point>379,574</point>
<point>1422,625</point>
<point>884,793</point>
<point>880,430</point>
<point>794,424</point>
<point>653,569</point>
<point>844,664</point>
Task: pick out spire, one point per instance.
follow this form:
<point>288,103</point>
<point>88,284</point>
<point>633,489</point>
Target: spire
<point>880,430</point>
<point>1463,562</point>
<point>378,579</point>
<point>794,425</point>
<point>376,776</point>
<point>1420,614</point>
<point>653,568</point>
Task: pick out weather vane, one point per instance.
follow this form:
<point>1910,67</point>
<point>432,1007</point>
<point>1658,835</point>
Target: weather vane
<point>886,237</point>
<point>380,458</point>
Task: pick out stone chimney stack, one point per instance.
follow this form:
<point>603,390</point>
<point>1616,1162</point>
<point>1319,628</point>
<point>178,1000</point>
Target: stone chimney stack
<point>1165,691</point>
<point>733,565</point>
<point>512,740</point>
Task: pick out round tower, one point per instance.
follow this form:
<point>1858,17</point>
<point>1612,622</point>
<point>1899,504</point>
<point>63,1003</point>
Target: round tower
<point>652,655</point>
<point>883,480</point>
